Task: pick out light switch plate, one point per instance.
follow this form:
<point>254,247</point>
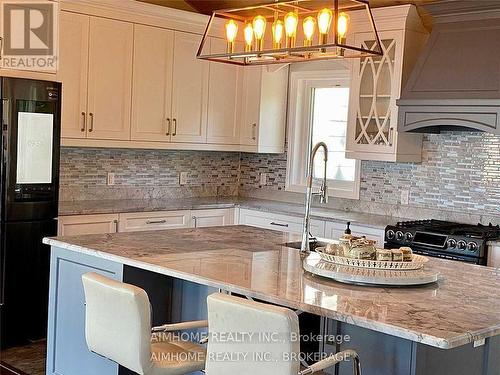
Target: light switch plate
<point>263,179</point>
<point>405,197</point>
<point>183,176</point>
<point>110,180</point>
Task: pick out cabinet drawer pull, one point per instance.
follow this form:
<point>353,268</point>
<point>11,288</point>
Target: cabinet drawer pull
<point>84,125</point>
<point>195,219</point>
<point>91,128</point>
<point>116,225</point>
<point>1,47</point>
<point>174,132</point>
<point>168,127</point>
<point>156,221</point>
<point>254,131</point>
<point>390,136</point>
<point>279,224</point>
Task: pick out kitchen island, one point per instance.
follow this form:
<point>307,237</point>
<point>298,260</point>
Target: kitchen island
<point>450,327</point>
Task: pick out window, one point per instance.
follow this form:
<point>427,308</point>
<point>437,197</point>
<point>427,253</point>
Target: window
<point>319,108</point>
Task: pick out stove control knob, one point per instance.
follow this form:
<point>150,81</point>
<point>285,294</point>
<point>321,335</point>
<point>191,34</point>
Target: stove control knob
<point>409,236</point>
<point>399,235</point>
<point>451,243</point>
<point>462,245</point>
<point>472,246</point>
<point>390,234</point>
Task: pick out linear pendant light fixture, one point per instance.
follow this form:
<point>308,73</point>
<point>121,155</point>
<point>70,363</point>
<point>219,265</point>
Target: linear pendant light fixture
<point>287,31</point>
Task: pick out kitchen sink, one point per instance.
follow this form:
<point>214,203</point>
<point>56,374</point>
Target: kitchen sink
<point>312,245</point>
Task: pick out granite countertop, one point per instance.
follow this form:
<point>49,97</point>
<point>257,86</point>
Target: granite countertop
<point>462,307</point>
<point>295,209</point>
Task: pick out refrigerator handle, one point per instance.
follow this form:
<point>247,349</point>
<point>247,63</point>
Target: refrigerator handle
<point>5,127</point>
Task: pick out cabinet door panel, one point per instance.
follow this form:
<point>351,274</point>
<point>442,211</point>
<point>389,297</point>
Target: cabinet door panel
<point>224,100</point>
<point>212,218</point>
<point>87,224</point>
<point>142,221</point>
<point>152,83</point>
<point>190,91</point>
<point>280,222</point>
<point>250,105</point>
<point>110,79</point>
<point>73,70</point>
<point>67,351</point>
<point>375,86</point>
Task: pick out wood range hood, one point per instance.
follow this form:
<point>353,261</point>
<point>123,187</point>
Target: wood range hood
<point>455,84</point>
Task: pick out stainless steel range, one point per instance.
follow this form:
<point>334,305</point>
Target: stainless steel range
<point>443,239</point>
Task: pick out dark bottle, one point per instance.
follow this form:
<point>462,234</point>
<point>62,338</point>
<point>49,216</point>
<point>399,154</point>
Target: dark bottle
<point>348,230</point>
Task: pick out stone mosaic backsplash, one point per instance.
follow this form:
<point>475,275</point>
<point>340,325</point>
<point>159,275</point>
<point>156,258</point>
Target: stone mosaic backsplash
<point>144,174</point>
<point>460,171</point>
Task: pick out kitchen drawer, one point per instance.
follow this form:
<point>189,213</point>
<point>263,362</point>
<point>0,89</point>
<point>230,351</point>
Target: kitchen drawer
<point>284,223</point>
<point>87,224</point>
<point>141,221</point>
<point>212,218</point>
<point>335,229</point>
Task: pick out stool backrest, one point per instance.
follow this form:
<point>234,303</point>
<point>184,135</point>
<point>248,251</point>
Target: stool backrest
<point>117,322</point>
<point>247,337</point>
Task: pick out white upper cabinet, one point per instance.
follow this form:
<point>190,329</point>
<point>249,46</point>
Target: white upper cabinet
<point>376,83</point>
<point>190,91</point>
<point>110,78</point>
<point>73,70</point>
<point>264,102</point>
<point>152,83</point>
<point>224,99</point>
<point>95,69</point>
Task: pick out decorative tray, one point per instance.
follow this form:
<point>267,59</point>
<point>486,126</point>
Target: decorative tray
<point>416,263</point>
<point>314,264</point>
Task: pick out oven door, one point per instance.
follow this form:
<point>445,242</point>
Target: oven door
<point>444,255</point>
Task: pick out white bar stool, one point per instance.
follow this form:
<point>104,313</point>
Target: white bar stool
<point>249,338</point>
<point>118,327</point>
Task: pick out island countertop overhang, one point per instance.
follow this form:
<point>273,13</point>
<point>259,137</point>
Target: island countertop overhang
<point>461,308</point>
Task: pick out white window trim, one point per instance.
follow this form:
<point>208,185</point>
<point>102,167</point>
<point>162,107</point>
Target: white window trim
<point>299,134</point>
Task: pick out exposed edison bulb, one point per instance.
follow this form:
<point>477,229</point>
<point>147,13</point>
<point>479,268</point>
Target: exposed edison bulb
<point>324,20</point>
<point>248,34</point>
<point>309,25</point>
<point>278,31</point>
<point>231,32</point>
<point>291,21</point>
<point>259,28</point>
<point>342,26</point>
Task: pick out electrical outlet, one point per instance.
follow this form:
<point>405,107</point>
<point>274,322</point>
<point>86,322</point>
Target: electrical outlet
<point>405,197</point>
<point>263,179</point>
<point>183,176</point>
<point>110,180</point>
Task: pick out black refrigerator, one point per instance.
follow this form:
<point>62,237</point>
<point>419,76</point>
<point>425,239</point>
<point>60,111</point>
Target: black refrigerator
<point>31,118</point>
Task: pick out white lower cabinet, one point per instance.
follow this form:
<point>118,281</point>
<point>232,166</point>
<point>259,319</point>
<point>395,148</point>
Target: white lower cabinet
<point>284,223</point>
<point>212,218</point>
<point>87,224</point>
<point>141,221</point>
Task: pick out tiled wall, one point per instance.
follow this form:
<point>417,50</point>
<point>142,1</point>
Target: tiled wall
<point>459,171</point>
<point>145,173</point>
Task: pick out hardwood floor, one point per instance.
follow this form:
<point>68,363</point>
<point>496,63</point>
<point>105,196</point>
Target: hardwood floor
<point>24,360</point>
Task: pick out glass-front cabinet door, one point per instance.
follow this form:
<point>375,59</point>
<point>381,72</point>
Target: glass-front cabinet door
<point>375,86</point>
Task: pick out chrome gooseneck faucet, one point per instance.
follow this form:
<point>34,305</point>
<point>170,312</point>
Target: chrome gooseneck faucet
<point>323,194</point>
